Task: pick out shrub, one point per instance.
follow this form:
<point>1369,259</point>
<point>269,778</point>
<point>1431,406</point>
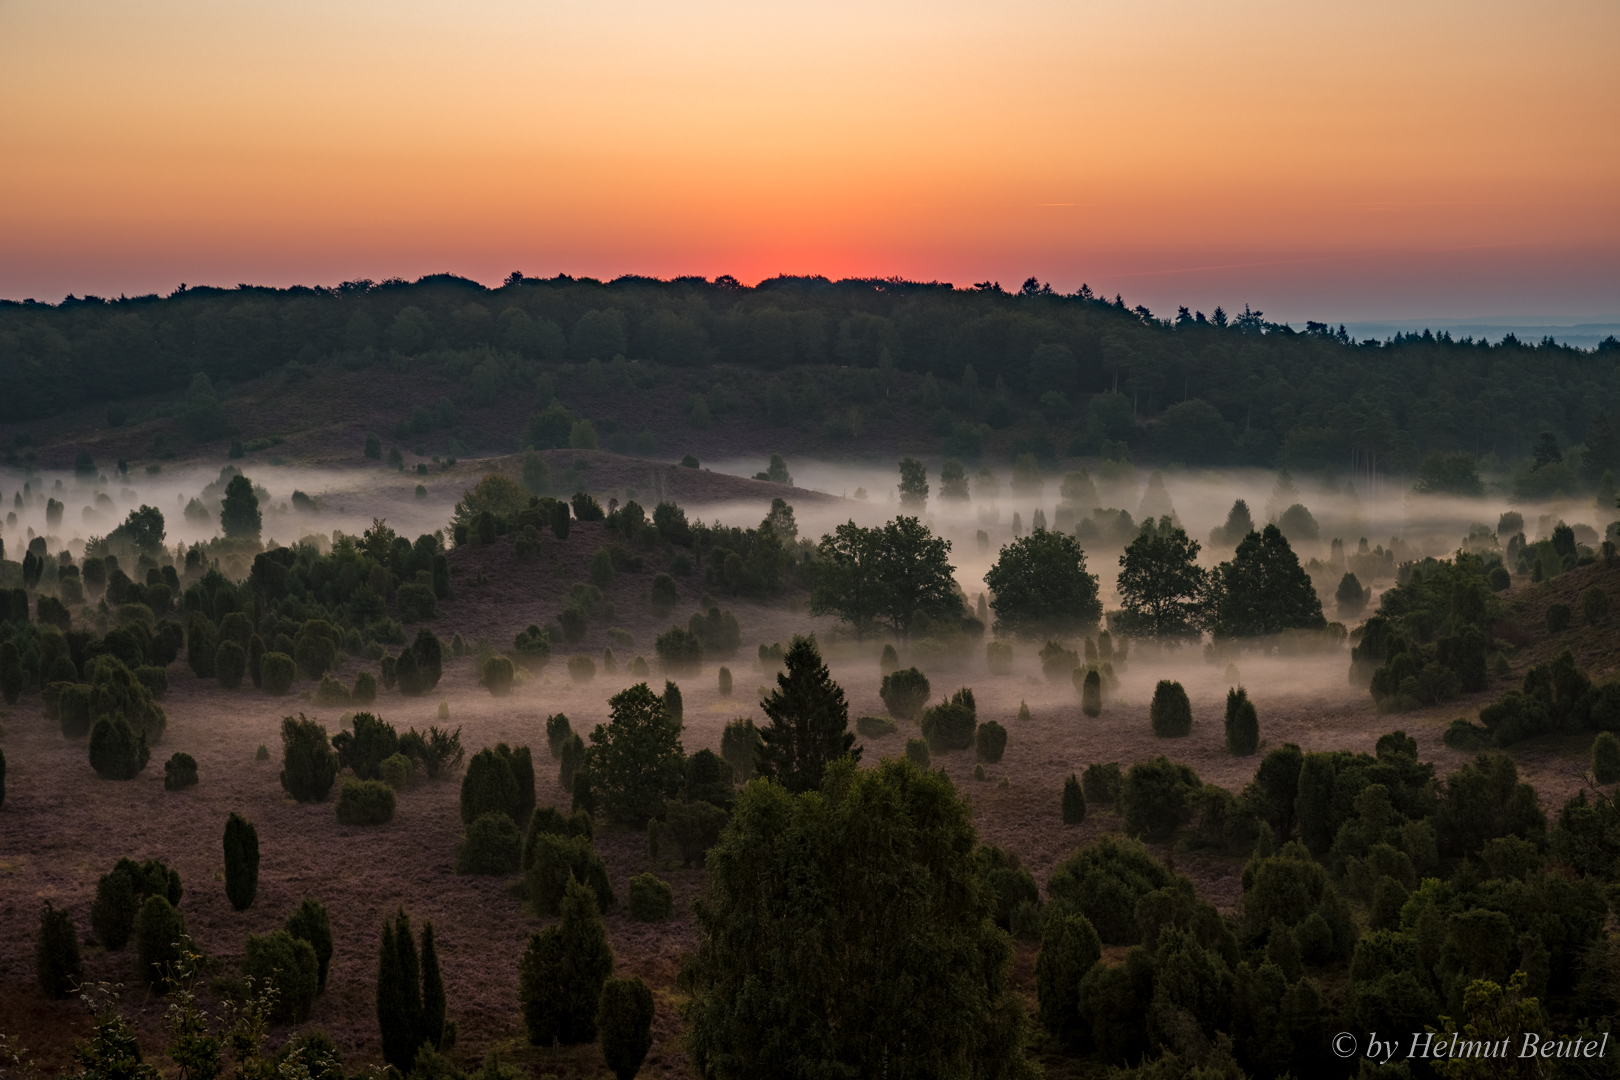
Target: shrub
<point>1091,694</point>
<point>159,931</point>
<point>664,595</point>
<point>1170,711</point>
<point>276,673</point>
<point>1557,618</point>
<point>904,693</point>
<point>155,679</point>
<point>365,689</point>
<point>488,787</point>
<point>1102,784</point>
<point>998,657</point>
<point>289,965</point>
<point>990,742</point>
<point>533,647</point>
<point>1104,881</point>
<point>230,664</point>
<point>365,748</point>
<point>1156,797</point>
<point>679,651</point>
<point>1069,948</point>
<point>201,645</point>
<point>557,731</point>
<point>116,752</point>
<point>581,668</point>
<point>556,860</point>
<point>695,827</point>
<point>241,862</point>
<point>416,602</point>
<point>1074,801</point>
<point>725,682</point>
<point>56,953</point>
<point>262,753</point>
<point>309,922</point>
<point>1594,605</point>
<point>950,724</point>
<point>1499,578</point>
<point>491,845</point>
<point>917,752</point>
<point>561,974</point>
<point>1242,723</point>
<point>1058,663</point>
<point>739,745</point>
<point>601,570</point>
<point>395,771</point>
<point>624,1019</point>
<point>497,676</point>
<point>573,758</point>
<point>549,821</point>
<point>308,763</point>
<point>179,772</point>
<point>331,692</point>
<point>1606,758</point>
<point>12,678</point>
<point>73,710</point>
<point>651,899</point>
<point>365,802</point>
<point>875,727</point>
<point>888,662</point>
<point>119,895</point>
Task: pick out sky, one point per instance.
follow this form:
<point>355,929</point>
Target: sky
<point>1365,161</point>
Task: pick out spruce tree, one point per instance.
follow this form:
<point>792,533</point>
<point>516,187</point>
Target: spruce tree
<point>809,725</point>
<point>1074,801</point>
<point>624,1019</point>
<point>56,953</point>
<point>241,861</point>
<point>563,969</point>
<point>433,1003</point>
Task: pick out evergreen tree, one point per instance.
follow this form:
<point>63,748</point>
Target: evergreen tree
<point>624,1019</point>
<point>241,861</point>
<point>12,679</point>
<point>1069,947</point>
<point>809,721</point>
<point>56,953</point>
<point>310,923</point>
<point>922,989</point>
<point>913,485</point>
<point>239,515</point>
<point>1242,723</point>
<point>399,993</point>
<point>1074,801</point>
<point>1313,806</point>
<point>433,1003</point>
<point>488,787</point>
<point>159,932</point>
<point>563,970</point>
<point>1091,694</point>
<point>1264,590</point>
<point>1170,712</point>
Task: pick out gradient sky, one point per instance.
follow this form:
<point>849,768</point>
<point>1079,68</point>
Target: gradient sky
<point>1329,160</point>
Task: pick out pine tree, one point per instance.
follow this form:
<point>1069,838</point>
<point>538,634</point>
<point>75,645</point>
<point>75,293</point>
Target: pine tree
<point>562,972</point>
<point>809,721</point>
<point>433,1003</point>
<point>1074,801</point>
<point>241,861</point>
<point>624,1023</point>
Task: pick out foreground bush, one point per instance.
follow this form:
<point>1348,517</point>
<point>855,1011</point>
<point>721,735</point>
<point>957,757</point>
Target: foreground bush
<point>241,861</point>
<point>56,953</point>
<point>651,898</point>
<point>875,727</point>
<point>562,971</point>
<point>160,931</point>
<point>1102,784</point>
<point>491,845</point>
<point>1170,712</point>
<point>309,765</point>
<point>549,821</point>
<point>365,802</point>
<point>990,742</point>
<point>288,964</point>
<point>624,1019</point>
<point>904,693</point>
<point>179,772</point>
<point>309,922</point>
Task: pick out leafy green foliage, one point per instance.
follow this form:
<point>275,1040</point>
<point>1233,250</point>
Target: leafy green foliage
<point>309,922</point>
<point>288,965</point>
<point>554,861</point>
<point>950,725</point>
<point>1157,796</point>
<point>309,765</point>
<point>1104,881</point>
<point>1242,723</point>
<point>492,844</point>
<point>179,772</point>
<point>116,752</point>
<point>1069,948</point>
<point>1042,589</point>
<point>1170,712</point>
<point>160,932</point>
<point>904,692</point>
<point>635,760</point>
<point>1263,590</point>
<point>651,898</point>
<point>1162,589</point>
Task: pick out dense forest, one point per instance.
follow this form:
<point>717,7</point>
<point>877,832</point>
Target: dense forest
<point>1069,375</point>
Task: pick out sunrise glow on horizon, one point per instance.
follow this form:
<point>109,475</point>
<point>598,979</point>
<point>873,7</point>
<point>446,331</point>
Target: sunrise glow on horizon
<point>1336,161</point>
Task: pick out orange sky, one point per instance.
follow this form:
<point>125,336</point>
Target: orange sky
<point>1331,160</point>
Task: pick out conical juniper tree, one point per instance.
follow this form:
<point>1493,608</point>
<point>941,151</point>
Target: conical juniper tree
<point>809,726</point>
<point>561,974</point>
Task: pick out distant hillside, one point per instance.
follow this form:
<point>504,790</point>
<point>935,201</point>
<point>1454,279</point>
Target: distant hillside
<point>850,369</point>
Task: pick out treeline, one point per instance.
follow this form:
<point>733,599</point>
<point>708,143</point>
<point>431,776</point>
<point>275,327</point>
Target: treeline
<point>1228,391</point>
